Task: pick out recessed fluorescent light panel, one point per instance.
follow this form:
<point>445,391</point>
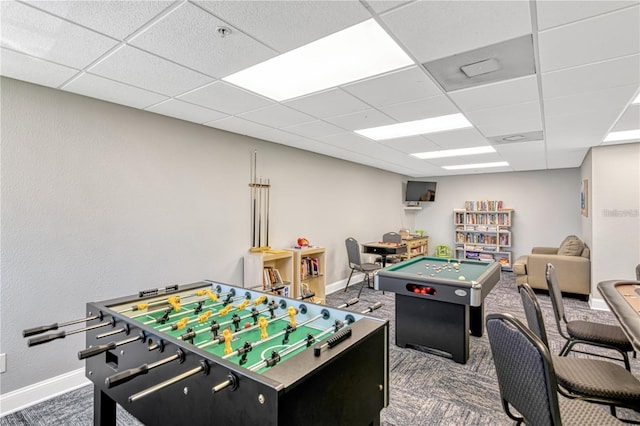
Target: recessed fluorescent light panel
<point>418,127</point>
<point>636,100</point>
<point>454,152</point>
<point>357,52</point>
<point>476,166</point>
<point>626,135</point>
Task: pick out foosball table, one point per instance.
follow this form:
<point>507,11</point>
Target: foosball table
<point>206,353</point>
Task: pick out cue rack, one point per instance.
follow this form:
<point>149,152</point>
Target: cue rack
<point>259,208</point>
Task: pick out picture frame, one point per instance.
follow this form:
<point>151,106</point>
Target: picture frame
<point>584,198</point>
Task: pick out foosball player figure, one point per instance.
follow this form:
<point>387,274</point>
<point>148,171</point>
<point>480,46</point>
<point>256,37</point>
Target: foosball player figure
<point>292,315</point>
<point>254,315</point>
<point>243,351</point>
<point>224,311</point>
<point>226,333</point>
<point>198,308</point>
<point>164,317</point>
<point>235,319</point>
<point>214,328</point>
<point>287,331</point>
<point>188,336</point>
<point>272,308</point>
<point>260,300</point>
<point>174,301</point>
<point>243,305</point>
<point>263,328</point>
<point>311,339</point>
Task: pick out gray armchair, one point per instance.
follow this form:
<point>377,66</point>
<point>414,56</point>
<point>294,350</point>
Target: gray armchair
<point>571,261</point>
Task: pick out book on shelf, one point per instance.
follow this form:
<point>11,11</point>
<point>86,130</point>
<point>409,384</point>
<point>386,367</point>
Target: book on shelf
<point>271,277</point>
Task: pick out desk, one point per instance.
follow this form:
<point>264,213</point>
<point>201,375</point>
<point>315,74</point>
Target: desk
<point>435,308</point>
<point>384,249</point>
<point>623,298</point>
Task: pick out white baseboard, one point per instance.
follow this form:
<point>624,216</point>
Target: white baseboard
<point>339,285</point>
<point>598,304</point>
<point>42,391</point>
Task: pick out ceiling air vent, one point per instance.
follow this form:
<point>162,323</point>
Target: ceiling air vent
<point>516,138</point>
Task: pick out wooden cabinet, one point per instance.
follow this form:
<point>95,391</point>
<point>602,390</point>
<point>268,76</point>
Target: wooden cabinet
<point>269,271</point>
<point>309,264</point>
<point>416,246</point>
<point>483,234</point>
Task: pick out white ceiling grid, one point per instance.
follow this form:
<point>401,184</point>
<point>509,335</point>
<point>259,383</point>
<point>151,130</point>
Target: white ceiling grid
<point>169,58</point>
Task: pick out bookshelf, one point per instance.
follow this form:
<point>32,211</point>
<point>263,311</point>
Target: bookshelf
<point>310,266</point>
<point>270,271</point>
<point>483,232</point>
<point>416,246</point>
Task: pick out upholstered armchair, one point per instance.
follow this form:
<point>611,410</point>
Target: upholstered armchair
<point>571,261</point>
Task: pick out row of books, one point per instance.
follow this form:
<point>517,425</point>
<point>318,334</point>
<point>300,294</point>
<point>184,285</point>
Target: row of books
<point>272,278</point>
<point>483,206</point>
<point>309,267</point>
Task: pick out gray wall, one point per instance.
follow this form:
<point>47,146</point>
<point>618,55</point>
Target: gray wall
<point>100,201</point>
<point>546,206</point>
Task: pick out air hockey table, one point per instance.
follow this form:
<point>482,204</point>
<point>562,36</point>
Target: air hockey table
<point>439,302</point>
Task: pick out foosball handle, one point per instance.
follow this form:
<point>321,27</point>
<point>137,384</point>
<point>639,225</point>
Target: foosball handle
<point>37,330</point>
<point>46,338</point>
<point>95,350</point>
<point>373,307</point>
<point>125,376</point>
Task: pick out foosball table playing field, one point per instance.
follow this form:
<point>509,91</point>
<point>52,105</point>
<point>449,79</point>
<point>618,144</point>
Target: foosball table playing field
<point>206,353</point>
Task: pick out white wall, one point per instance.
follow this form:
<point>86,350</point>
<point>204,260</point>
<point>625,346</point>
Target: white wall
<point>615,212</point>
<point>100,201</point>
<point>546,206</point>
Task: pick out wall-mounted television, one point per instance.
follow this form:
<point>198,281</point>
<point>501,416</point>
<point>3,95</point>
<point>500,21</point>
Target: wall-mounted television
<point>417,190</point>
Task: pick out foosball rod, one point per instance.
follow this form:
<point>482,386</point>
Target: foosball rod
<point>95,350</point>
<point>204,367</point>
<point>163,304</point>
<point>62,334</point>
<point>41,329</point>
<point>126,375</point>
<point>189,311</point>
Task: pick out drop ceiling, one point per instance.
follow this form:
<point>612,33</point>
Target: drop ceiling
<point>170,58</point>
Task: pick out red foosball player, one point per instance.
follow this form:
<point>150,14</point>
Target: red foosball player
<point>263,327</point>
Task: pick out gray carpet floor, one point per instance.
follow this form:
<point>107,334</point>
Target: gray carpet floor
<point>426,389</point>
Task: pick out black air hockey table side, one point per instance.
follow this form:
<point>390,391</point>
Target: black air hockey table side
<point>442,320</point>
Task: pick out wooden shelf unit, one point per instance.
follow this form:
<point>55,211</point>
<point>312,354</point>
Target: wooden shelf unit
<point>416,246</point>
<point>255,264</point>
<point>483,234</point>
<point>306,277</point>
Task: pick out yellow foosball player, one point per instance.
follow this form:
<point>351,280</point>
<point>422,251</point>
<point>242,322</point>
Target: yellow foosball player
<point>292,315</point>
<point>262,322</point>
<point>226,333</point>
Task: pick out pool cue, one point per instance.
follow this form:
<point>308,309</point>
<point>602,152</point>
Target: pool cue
<point>267,212</point>
<point>260,214</point>
<point>253,197</point>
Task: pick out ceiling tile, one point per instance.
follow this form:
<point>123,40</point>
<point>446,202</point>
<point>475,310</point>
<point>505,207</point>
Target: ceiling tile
<point>434,106</point>
<point>577,130</point>
<point>461,138</point>
<point>560,12</point>
<point>117,19</point>
<point>249,128</point>
<point>566,158</point>
<point>39,34</point>
<point>186,111</point>
<point>411,145</point>
<point>592,77</point>
<point>516,91</point>
<point>113,91</point>
<point>630,120</point>
<point>436,29</point>
<point>613,99</point>
<point>380,6</point>
<point>509,119</point>
<point>329,103</point>
<point>226,98</point>
<point>190,37</point>
<point>361,120</point>
<point>395,87</point>
<point>141,69</point>
<point>276,116</point>
<point>314,129</point>
<point>285,25</point>
<point>33,70</point>
<point>600,38</point>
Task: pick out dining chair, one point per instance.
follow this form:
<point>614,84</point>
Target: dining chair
<point>584,332</point>
<point>527,379</point>
<point>595,380</point>
<point>356,264</point>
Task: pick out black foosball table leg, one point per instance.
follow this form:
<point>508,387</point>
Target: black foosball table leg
<point>104,408</point>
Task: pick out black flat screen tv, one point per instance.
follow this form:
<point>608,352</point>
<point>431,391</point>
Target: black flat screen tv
<point>420,191</point>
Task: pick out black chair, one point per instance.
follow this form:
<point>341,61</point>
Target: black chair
<point>585,332</point>
<point>355,263</point>
<point>391,237</point>
<point>527,379</point>
<point>594,380</point>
